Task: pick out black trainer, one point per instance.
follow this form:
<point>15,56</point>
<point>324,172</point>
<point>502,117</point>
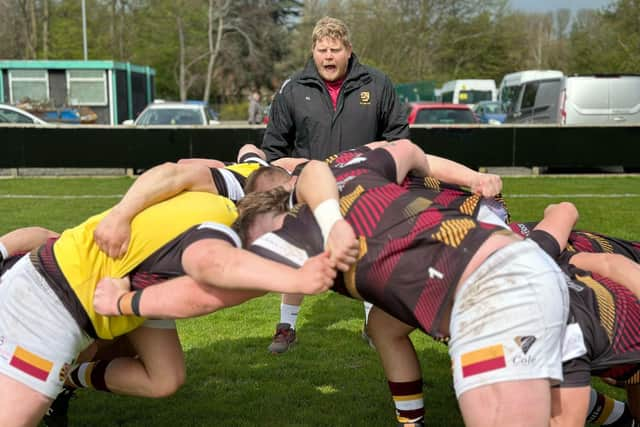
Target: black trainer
<point>56,415</point>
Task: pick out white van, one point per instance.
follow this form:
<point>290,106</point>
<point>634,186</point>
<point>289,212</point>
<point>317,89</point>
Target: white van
<point>579,100</point>
<point>600,100</point>
<point>468,91</point>
<point>512,84</point>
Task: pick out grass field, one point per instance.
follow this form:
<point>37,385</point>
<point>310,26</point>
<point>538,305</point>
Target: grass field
<point>331,378</point>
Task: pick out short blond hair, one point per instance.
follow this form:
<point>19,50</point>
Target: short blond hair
<point>332,28</point>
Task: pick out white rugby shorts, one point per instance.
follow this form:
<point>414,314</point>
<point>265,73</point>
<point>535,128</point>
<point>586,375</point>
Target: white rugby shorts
<point>39,339</point>
<point>508,319</point>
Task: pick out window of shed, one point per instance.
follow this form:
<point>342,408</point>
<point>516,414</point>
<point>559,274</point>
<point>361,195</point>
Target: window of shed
<point>86,87</point>
<point>28,86</point>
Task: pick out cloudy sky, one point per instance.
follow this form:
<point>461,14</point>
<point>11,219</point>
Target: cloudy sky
<point>546,5</point>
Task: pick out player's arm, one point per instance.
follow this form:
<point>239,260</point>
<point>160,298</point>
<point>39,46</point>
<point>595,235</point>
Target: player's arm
<point>289,163</point>
<point>552,233</point>
<point>484,184</point>
<point>177,298</point>
<point>23,240</point>
<point>248,151</point>
<point>155,185</point>
<point>317,187</point>
<point>616,267</point>
<point>409,157</point>
<point>217,263</point>
<point>210,163</point>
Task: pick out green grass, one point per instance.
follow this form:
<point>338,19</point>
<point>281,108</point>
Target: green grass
<point>330,378</point>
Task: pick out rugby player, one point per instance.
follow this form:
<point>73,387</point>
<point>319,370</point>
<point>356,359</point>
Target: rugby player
<point>419,257</point>
<point>46,298</point>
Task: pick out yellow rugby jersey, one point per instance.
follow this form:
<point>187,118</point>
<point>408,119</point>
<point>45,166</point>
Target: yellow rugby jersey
<point>83,264</point>
<point>244,169</point>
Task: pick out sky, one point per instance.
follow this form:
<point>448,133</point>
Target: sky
<point>549,5</point>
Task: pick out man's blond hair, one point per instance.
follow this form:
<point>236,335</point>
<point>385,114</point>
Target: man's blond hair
<point>332,28</point>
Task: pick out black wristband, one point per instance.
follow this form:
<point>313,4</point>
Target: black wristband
<point>118,304</point>
<point>135,302</point>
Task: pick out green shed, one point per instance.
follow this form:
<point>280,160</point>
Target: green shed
<point>111,91</point>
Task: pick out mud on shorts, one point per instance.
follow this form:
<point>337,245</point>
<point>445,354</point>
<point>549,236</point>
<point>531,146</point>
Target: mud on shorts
<point>508,319</point>
<point>39,340</point>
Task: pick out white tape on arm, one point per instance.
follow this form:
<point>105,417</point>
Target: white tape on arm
<point>327,213</point>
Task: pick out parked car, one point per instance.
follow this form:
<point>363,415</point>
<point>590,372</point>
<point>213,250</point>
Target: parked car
<point>212,113</point>
<point>579,100</point>
<point>11,114</point>
<point>175,114</point>
<point>439,113</point>
<point>489,112</point>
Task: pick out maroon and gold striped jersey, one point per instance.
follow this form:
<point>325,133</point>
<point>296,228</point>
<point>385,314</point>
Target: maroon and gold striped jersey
<point>609,317</point>
<point>415,244</point>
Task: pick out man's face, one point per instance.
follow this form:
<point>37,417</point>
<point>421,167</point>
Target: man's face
<point>332,58</point>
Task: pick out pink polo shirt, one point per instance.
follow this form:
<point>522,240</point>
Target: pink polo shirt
<point>334,91</point>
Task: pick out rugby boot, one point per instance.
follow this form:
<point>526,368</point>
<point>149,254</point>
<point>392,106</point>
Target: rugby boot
<point>284,337</point>
<point>57,414</point>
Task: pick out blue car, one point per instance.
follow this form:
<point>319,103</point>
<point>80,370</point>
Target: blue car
<point>489,112</point>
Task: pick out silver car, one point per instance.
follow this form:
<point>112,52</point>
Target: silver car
<point>11,114</point>
<point>175,114</point>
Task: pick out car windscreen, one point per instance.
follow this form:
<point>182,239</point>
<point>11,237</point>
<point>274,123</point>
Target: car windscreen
<point>8,116</point>
<point>474,96</point>
<point>444,116</point>
<point>170,116</point>
<point>492,108</point>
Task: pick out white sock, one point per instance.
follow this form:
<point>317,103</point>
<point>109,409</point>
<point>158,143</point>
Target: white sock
<point>4,254</point>
<point>367,310</point>
<point>289,314</point>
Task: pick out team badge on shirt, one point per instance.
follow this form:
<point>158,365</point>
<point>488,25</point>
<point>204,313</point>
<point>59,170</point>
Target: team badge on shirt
<point>365,97</point>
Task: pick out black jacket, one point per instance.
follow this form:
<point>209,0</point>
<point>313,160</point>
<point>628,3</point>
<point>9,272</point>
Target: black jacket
<point>303,123</point>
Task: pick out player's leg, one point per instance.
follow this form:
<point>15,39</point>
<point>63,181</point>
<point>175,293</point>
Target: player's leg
<point>20,405</point>
<point>40,339</point>
<point>508,403</point>
<point>159,369</point>
<point>390,337</point>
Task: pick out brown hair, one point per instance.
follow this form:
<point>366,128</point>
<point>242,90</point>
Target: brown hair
<point>332,28</point>
<point>266,178</point>
<point>273,201</point>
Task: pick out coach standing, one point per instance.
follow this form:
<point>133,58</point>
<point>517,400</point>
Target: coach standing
<point>334,104</point>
